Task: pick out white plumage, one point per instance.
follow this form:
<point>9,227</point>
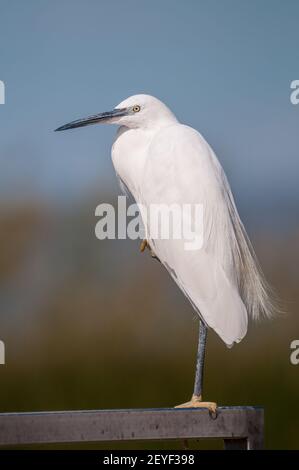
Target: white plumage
<point>163,162</point>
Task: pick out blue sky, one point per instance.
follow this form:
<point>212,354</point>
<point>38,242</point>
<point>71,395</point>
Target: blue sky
<point>223,66</point>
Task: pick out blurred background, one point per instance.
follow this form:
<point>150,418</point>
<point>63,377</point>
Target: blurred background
<point>95,324</point>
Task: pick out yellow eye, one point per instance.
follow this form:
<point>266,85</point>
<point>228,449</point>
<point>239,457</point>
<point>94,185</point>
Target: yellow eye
<point>136,108</point>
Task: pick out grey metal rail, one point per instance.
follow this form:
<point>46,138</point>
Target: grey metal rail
<point>239,427</point>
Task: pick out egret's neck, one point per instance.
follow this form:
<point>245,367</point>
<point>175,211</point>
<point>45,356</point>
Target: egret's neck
<point>129,152</point>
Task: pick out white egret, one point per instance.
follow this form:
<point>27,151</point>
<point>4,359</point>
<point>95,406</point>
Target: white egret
<point>163,161</point>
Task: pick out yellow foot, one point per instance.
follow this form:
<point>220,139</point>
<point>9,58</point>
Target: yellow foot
<point>143,245</point>
<point>196,402</point>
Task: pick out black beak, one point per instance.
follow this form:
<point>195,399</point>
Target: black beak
<point>108,116</point>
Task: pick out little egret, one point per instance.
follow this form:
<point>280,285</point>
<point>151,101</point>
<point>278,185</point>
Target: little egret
<point>162,161</point>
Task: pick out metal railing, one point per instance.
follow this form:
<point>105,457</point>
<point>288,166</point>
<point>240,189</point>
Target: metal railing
<point>239,427</point>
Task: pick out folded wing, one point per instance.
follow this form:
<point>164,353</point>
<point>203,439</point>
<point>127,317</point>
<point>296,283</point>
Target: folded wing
<point>182,169</point>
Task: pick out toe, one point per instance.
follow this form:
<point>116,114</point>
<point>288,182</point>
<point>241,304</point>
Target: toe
<point>184,405</point>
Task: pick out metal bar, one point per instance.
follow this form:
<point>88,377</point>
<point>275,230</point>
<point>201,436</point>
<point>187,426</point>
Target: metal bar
<point>255,438</point>
<point>236,444</point>
<point>232,423</point>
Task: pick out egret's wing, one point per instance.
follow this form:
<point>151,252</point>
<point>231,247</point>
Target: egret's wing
<point>182,169</point>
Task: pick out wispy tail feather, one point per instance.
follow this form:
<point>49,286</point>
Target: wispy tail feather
<point>257,295</point>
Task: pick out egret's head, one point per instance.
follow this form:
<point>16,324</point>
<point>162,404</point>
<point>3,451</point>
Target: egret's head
<point>142,111</point>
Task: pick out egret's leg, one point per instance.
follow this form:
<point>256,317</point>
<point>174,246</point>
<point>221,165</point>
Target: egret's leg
<point>196,400</point>
<point>200,361</point>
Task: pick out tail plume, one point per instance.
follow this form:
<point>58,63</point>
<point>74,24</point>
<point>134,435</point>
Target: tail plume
<point>257,295</point>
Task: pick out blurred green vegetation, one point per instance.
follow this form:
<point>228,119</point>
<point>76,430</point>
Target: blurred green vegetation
<point>95,324</point>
